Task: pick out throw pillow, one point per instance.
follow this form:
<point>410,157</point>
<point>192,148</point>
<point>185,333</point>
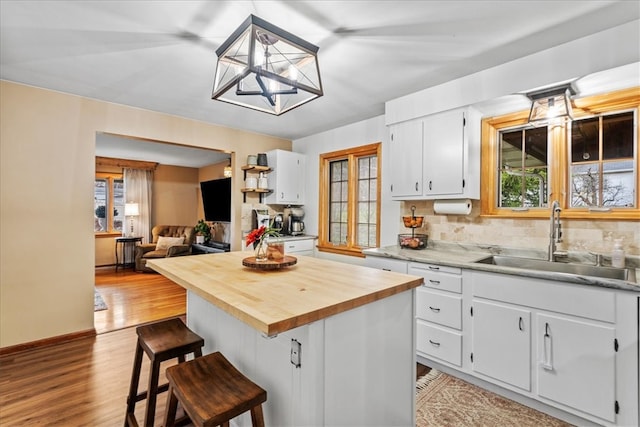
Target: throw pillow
<point>165,243</point>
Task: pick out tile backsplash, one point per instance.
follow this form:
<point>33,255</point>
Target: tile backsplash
<point>578,235</point>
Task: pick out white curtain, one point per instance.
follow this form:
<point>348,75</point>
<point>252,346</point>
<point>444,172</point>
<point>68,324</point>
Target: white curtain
<point>137,189</point>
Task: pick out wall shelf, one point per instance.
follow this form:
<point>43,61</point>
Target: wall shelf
<point>254,169</point>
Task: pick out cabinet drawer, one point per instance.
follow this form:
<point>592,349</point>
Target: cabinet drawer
<point>439,343</point>
<point>293,246</point>
<point>437,277</point>
<point>388,264</point>
<point>438,308</point>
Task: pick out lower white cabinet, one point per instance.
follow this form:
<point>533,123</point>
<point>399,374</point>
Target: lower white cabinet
<point>577,364</point>
<point>502,343</point>
<point>388,264</point>
<point>300,247</point>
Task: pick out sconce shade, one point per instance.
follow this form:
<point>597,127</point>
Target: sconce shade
<point>131,209</point>
<point>265,68</point>
<point>551,103</point>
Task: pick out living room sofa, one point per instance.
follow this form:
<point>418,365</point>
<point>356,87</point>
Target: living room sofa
<point>168,241</point>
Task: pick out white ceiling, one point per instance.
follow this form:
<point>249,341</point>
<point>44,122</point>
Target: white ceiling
<point>160,55</point>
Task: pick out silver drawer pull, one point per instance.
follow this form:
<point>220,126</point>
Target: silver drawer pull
<point>435,344</point>
<point>435,309</point>
<point>434,282</point>
<point>434,268</point>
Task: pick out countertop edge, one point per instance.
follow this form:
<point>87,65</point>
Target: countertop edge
<point>468,260</point>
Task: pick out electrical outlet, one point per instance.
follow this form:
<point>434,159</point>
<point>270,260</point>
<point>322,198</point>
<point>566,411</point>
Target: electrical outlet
<point>296,349</point>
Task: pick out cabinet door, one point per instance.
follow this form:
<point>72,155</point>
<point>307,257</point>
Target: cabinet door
<point>387,264</point>
<point>577,364</point>
<point>502,343</point>
<point>406,159</point>
<point>444,154</point>
<point>287,178</point>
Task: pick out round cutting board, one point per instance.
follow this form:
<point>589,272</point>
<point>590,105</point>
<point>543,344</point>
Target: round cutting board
<point>269,264</point>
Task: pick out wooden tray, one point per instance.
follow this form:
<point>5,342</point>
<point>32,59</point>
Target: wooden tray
<point>270,264</point>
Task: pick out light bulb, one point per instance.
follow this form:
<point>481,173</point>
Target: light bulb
<point>293,72</point>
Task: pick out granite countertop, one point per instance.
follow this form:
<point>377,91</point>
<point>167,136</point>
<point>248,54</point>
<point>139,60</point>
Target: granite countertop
<point>466,256</point>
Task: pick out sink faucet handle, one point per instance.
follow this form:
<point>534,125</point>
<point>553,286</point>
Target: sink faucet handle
<point>599,258</point>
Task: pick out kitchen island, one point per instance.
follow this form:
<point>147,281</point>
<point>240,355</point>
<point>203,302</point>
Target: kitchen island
<point>332,343</point>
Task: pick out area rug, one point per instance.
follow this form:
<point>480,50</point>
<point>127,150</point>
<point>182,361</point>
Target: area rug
<point>443,400</point>
<point>98,302</point>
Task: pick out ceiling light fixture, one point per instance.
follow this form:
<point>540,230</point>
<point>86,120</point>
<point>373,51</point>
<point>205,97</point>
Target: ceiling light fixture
<point>551,103</point>
<point>265,68</point>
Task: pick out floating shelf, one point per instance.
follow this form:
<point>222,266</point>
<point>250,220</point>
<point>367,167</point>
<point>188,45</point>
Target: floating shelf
<point>255,168</point>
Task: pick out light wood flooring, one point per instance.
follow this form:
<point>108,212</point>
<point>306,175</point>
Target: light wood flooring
<point>85,382</point>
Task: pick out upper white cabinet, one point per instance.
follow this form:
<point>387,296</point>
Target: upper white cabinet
<point>287,179</point>
<point>437,156</point>
<point>406,159</point>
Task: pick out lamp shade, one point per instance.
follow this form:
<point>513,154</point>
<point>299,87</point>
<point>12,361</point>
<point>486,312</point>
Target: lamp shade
<point>551,103</point>
<point>263,67</point>
<point>131,209</point>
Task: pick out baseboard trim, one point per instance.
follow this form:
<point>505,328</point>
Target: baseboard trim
<point>47,342</point>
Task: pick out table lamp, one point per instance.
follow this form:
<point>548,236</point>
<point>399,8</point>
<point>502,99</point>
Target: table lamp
<point>131,210</point>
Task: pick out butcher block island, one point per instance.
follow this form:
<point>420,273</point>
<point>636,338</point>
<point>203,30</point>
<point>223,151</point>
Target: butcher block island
<point>332,343</point>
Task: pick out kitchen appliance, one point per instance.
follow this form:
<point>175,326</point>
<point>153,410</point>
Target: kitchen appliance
<point>278,222</point>
<point>293,224</point>
<point>259,218</point>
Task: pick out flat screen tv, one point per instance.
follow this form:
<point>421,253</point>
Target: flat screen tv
<point>216,199</point>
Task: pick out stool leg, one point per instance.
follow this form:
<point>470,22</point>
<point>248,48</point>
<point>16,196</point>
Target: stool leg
<point>133,387</point>
<point>152,393</point>
<point>171,408</point>
<point>257,419</point>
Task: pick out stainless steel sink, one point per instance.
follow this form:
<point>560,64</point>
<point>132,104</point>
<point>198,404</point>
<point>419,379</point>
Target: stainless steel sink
<point>558,267</point>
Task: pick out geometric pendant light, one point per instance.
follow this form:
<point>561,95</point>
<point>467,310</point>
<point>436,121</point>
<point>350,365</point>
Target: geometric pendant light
<point>551,103</point>
<point>265,68</point>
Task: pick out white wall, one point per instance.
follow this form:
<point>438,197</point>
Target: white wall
<point>353,135</point>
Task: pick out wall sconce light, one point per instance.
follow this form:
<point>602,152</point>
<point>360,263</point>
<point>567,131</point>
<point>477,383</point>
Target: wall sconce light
<point>131,209</point>
<point>551,103</point>
<point>227,170</point>
<point>265,68</point>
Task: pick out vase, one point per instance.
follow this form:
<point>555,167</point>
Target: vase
<point>261,251</point>
<point>275,250</point>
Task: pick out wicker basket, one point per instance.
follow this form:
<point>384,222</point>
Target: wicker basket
<point>412,241</point>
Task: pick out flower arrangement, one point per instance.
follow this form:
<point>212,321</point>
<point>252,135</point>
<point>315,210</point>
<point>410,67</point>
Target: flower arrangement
<point>258,235</point>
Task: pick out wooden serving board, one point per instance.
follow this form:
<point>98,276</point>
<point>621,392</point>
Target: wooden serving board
<point>269,264</point>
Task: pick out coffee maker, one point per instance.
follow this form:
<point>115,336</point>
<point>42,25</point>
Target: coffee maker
<point>293,224</point>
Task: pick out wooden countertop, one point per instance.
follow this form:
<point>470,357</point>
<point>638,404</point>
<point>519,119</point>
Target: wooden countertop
<point>274,301</point>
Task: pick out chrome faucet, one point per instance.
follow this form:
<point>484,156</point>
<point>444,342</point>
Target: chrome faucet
<point>555,230</point>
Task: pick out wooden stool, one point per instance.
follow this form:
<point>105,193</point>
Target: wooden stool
<point>161,341</point>
<point>212,391</point>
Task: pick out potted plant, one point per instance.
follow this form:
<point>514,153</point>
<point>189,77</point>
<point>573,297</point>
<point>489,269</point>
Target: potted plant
<point>203,232</point>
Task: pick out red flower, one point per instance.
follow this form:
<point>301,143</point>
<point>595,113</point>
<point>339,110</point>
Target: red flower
<point>255,235</point>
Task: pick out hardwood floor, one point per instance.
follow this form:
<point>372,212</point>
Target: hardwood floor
<point>135,298</point>
<point>85,382</point>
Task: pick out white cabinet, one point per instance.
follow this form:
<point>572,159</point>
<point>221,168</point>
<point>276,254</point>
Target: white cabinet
<point>300,246</point>
<point>569,357</point>
<point>388,264</point>
<point>437,156</point>
<point>406,145</point>
<point>577,364</point>
<point>502,343</point>
<point>287,179</point>
<point>439,313</point>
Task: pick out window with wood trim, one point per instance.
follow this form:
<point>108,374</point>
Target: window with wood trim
<point>350,200</point>
<point>589,164</point>
<point>108,203</point>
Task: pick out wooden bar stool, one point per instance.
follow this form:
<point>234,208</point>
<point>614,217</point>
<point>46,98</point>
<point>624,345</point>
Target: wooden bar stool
<point>161,341</point>
<point>212,391</point>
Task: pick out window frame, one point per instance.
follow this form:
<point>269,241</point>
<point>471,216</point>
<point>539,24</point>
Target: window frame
<point>352,155</point>
<point>110,177</point>
<point>559,167</point>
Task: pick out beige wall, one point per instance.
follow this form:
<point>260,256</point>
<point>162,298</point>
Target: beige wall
<point>47,159</point>
<point>175,196</point>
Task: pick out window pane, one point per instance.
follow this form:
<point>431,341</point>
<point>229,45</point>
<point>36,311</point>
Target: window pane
<point>366,205</point>
<point>338,201</point>
<point>617,136</point>
<point>100,197</point>
<point>602,159</point>
<point>523,168</point>
<point>584,140</point>
<point>118,204</point>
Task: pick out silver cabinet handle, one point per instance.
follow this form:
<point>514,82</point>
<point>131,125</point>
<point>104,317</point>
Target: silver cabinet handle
<point>435,344</point>
<point>434,282</point>
<point>434,309</point>
<point>431,267</point>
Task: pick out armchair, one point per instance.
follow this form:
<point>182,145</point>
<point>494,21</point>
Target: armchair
<point>161,247</point>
